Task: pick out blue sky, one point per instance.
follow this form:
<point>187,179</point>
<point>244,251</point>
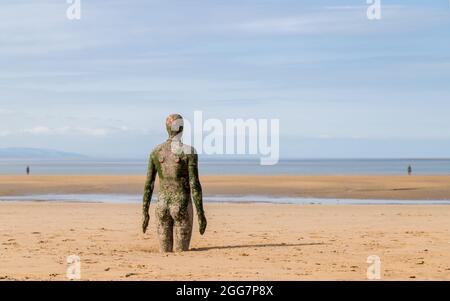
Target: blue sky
<point>341,85</point>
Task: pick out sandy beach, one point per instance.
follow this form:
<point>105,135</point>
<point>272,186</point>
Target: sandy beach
<point>243,242</point>
<point>354,187</point>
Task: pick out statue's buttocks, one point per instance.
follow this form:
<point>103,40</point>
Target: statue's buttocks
<point>176,166</point>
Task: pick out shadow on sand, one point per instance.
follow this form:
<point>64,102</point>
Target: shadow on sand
<point>256,246</point>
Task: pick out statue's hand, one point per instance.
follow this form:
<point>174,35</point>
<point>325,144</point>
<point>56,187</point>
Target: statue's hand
<point>145,222</point>
<point>202,224</point>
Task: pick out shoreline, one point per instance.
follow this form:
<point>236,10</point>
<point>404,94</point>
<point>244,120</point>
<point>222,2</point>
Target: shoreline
<point>322,187</point>
<point>216,199</point>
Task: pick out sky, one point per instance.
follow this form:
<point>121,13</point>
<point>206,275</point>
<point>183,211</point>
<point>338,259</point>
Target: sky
<point>342,86</point>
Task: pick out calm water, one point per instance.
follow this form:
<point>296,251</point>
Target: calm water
<point>137,198</point>
<point>235,167</point>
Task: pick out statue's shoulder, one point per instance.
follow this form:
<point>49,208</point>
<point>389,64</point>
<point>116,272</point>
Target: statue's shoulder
<point>189,150</point>
<point>157,150</point>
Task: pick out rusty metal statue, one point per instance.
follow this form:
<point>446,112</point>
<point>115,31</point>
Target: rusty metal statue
<point>177,167</point>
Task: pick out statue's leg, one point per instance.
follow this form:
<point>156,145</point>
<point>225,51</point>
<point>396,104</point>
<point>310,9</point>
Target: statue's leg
<point>165,228</point>
<point>183,221</point>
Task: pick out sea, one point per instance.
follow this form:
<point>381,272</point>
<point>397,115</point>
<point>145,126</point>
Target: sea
<point>93,166</point>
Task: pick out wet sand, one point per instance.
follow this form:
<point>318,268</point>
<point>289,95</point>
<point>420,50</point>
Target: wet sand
<point>350,187</point>
<point>242,242</point>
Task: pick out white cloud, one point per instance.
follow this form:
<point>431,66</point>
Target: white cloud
<point>38,74</point>
<point>324,22</point>
<point>91,132</point>
<point>5,111</point>
<point>5,133</point>
<point>43,28</point>
<point>38,130</point>
<point>344,20</point>
<point>66,130</point>
<point>360,7</point>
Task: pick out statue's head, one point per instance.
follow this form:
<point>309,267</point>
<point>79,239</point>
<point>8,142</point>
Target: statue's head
<point>174,125</point>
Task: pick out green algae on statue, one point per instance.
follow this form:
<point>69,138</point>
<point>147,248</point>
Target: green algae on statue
<point>177,167</point>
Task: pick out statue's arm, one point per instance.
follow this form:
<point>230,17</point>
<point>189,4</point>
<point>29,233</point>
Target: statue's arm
<point>148,191</point>
<point>196,191</point>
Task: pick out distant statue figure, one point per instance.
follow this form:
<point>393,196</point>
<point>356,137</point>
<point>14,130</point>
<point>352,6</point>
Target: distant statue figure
<point>176,166</point>
<point>409,170</point>
<point>28,170</point>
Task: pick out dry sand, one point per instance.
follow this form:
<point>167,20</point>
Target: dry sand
<point>242,242</point>
<point>359,187</point>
